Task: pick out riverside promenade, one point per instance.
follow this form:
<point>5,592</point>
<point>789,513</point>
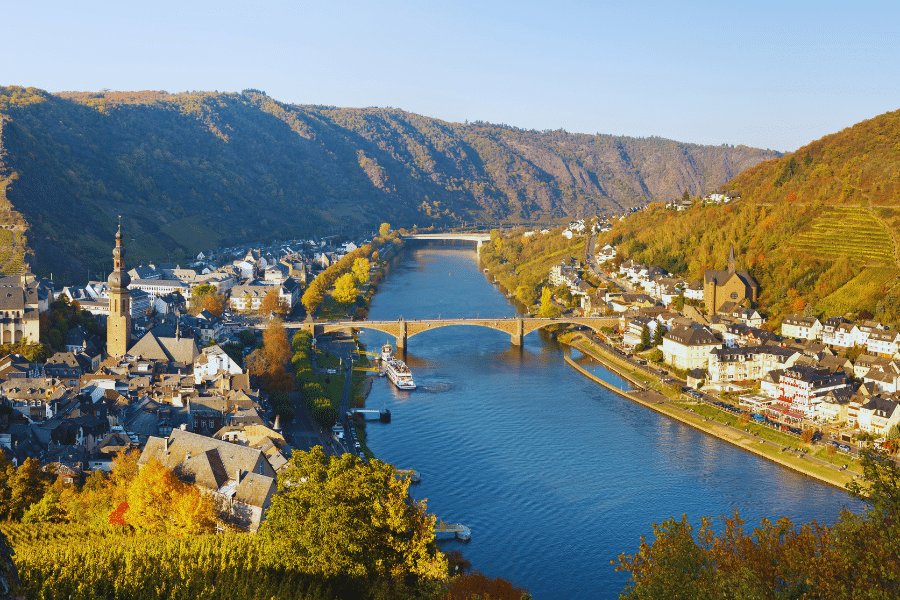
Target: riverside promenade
<point>770,450</point>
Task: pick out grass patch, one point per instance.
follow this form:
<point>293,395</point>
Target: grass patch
<point>839,460</point>
<point>332,310</point>
<point>357,390</point>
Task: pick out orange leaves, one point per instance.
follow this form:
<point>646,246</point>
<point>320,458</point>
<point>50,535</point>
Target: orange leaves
<point>159,502</point>
<point>117,516</point>
<point>479,585</point>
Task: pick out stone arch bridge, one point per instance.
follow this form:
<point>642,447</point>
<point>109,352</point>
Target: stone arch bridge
<point>402,329</point>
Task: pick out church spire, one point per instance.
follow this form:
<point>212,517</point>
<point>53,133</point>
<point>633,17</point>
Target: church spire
<point>731,260</point>
<point>118,323</point>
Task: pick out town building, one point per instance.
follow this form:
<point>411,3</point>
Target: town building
<point>801,388</point>
<point>731,285</point>
<point>800,327</point>
<point>689,347</point>
<point>240,478</point>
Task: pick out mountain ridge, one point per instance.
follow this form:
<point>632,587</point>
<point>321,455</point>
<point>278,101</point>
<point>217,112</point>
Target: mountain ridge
<point>190,171</point>
<point>817,228</point>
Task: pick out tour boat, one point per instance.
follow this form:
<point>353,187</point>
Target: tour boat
<point>399,373</point>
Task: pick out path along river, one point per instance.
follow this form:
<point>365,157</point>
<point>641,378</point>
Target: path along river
<point>554,475</point>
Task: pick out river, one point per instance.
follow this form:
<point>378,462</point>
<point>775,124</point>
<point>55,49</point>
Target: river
<point>554,475</point>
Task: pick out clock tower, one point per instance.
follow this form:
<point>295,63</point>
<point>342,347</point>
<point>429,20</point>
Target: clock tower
<point>118,324</point>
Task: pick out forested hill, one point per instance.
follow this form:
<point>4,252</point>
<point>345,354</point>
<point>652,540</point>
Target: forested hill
<point>818,228</point>
<point>190,171</point>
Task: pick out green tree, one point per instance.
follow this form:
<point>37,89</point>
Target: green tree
<point>658,334</point>
<point>526,294</point>
<point>645,338</point>
<point>345,289</point>
<point>337,516</point>
<point>27,484</point>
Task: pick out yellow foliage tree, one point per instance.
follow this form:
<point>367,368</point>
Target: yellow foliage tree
<point>345,288</point>
<point>361,271</point>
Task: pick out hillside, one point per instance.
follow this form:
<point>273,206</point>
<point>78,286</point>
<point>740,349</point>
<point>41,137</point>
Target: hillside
<point>818,228</point>
<point>193,170</point>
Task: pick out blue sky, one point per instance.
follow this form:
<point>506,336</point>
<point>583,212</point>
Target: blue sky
<point>769,74</point>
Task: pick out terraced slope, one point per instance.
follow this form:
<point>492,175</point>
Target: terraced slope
<point>847,231</point>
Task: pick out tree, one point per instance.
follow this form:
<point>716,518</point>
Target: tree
<point>809,311</point>
<point>361,271</point>
<point>384,230</point>
<point>345,289</point>
<point>645,338</point>
<point>376,257</point>
<point>159,502</point>
<point>658,334</point>
<point>207,297</point>
<point>272,302</point>
<point>26,486</point>
<point>312,298</point>
<point>548,309</point>
<point>526,294</point>
<point>336,516</point>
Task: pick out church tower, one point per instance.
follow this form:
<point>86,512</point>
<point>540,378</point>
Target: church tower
<point>731,265</point>
<point>118,324</point>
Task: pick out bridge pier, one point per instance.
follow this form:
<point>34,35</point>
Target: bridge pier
<point>401,335</point>
<point>518,337</point>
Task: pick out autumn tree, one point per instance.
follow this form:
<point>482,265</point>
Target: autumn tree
<point>361,271</point>
<point>207,297</point>
<point>548,309</point>
<point>857,557</point>
<point>384,230</point>
<point>270,362</point>
<point>159,502</point>
<point>26,485</point>
<point>345,289</point>
<point>272,302</point>
<point>313,298</point>
<point>526,294</point>
<point>339,517</point>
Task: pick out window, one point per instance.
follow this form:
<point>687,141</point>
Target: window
<point>734,295</point>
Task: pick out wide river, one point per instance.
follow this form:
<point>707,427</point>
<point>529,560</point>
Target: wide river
<point>554,475</point>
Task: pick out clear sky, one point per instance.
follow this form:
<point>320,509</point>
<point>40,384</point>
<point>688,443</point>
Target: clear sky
<point>768,74</point>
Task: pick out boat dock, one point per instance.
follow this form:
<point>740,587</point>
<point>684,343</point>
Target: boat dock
<point>461,531</point>
<point>383,415</point>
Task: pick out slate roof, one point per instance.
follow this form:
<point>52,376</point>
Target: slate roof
<point>692,336</point>
<point>183,444</point>
<point>164,348</point>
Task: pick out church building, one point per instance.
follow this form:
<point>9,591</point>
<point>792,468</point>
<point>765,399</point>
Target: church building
<point>731,285</point>
<point>118,324</point>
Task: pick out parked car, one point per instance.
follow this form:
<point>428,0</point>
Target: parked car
<point>844,447</point>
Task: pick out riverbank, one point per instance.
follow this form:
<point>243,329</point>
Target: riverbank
<point>789,458</point>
